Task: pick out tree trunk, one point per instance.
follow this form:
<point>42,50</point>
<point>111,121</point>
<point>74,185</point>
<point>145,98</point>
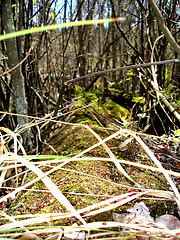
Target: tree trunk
<point>81,54</point>
<point>18,85</point>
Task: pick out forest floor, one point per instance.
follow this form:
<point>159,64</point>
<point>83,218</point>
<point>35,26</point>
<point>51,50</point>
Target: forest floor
<point>86,182</point>
<point>88,175</point>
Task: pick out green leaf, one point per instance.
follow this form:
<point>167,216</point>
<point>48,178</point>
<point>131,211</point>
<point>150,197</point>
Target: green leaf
<point>46,157</point>
<point>165,77</point>
<point>141,100</point>
<point>52,15</point>
<point>177,132</point>
<point>7,239</point>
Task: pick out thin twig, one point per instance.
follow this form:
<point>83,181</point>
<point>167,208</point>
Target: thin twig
<point>121,68</point>
<point>24,59</point>
<point>78,124</point>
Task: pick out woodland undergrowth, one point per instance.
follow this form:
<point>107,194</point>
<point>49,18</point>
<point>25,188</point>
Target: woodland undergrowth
<point>94,163</point>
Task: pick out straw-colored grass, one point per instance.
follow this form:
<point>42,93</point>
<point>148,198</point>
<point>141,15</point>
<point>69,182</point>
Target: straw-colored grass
<point>42,168</point>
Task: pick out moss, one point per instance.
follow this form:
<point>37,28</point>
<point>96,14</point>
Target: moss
<point>116,111</point>
<point>89,189</point>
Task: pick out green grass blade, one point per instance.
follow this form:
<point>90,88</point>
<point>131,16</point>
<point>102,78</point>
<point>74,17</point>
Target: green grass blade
<point>56,26</point>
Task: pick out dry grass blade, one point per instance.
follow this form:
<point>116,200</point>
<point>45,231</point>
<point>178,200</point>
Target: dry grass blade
<point>37,220</point>
<point>154,169</point>
<point>154,68</point>
<point>58,160</point>
<point>14,136</point>
<point>115,205</point>
<point>150,229</point>
<point>2,177</point>
<point>159,165</point>
<point>105,202</point>
<point>160,194</point>
<point>11,219</point>
<point>112,156</point>
<point>149,153</point>
<point>49,184</point>
<point>3,148</point>
<point>4,139</point>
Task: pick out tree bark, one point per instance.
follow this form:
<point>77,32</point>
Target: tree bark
<point>81,60</point>
<point>18,85</point>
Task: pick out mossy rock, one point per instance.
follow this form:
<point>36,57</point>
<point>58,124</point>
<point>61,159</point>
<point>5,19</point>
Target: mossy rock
<point>116,111</point>
<point>108,109</point>
<point>85,182</point>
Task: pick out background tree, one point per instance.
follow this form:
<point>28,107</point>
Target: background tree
<point>17,78</point>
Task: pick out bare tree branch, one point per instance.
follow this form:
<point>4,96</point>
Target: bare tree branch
<point>121,68</point>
